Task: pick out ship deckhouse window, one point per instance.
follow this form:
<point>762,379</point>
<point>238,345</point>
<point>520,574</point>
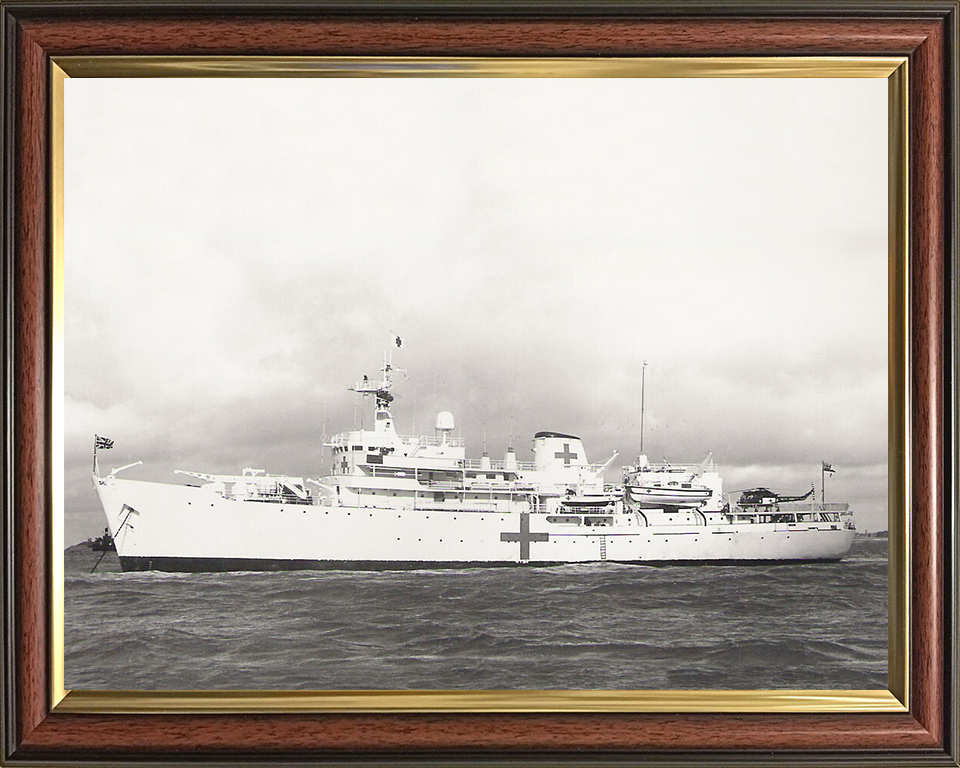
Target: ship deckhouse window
<point>356,447</point>
<point>598,521</point>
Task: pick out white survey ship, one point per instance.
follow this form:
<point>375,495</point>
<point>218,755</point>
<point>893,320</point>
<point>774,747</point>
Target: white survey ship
<point>393,501</point>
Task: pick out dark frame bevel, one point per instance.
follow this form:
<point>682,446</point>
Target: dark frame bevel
<point>912,751</point>
<point>7,79</point>
<point>933,9</point>
<point>951,351</point>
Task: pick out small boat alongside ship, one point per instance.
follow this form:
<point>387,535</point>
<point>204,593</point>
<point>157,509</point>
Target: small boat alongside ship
<point>395,501</point>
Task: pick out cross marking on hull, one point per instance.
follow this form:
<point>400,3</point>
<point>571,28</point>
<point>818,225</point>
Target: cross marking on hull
<point>566,454</point>
<point>524,537</point>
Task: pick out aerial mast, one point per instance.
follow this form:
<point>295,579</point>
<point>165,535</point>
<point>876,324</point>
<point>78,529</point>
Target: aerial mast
<point>643,377</point>
<point>381,389</point>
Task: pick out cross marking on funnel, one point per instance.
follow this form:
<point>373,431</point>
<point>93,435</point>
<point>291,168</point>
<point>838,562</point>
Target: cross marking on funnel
<point>565,454</point>
<point>524,537</point>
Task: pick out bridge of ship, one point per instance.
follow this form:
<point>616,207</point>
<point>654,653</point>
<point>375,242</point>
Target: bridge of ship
<point>344,440</point>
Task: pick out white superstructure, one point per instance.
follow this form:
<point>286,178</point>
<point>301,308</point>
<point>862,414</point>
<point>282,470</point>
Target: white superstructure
<point>396,501</point>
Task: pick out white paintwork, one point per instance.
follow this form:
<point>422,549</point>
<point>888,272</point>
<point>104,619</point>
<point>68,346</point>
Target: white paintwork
<point>189,522</point>
<point>407,500</point>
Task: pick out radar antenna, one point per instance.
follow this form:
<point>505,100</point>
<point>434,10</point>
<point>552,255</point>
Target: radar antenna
<point>381,389</point>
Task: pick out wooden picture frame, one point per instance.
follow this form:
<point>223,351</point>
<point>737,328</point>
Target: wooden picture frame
<point>38,730</point>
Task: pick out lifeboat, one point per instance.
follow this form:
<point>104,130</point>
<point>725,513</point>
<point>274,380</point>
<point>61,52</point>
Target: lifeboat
<point>668,494</point>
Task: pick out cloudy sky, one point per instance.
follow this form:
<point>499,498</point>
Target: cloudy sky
<point>239,251</point>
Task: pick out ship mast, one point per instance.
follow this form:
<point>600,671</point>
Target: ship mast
<point>643,377</point>
<point>383,421</point>
<point>380,389</point>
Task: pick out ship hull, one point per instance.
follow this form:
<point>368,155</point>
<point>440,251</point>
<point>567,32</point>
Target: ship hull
<point>226,565</point>
<point>165,527</point>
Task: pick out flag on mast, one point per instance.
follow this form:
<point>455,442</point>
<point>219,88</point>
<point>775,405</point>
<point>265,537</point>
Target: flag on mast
<point>397,340</point>
<point>103,442</point>
<point>828,467</point>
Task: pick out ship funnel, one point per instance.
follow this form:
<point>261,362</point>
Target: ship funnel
<point>557,450</point>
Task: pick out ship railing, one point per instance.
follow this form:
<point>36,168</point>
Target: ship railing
<point>274,496</point>
<point>347,439</point>
<point>814,506</point>
<point>679,469</point>
<point>505,486</point>
<point>454,485</point>
<point>498,465</point>
<point>429,441</point>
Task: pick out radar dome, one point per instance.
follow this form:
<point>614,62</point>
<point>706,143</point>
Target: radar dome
<point>445,421</point>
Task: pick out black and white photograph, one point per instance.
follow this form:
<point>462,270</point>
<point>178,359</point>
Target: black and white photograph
<point>443,383</point>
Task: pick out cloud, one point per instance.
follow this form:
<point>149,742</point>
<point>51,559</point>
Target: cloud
<point>82,420</point>
<point>229,273</point>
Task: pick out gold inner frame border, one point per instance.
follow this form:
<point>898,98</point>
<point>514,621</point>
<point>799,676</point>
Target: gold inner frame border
<point>895,699</point>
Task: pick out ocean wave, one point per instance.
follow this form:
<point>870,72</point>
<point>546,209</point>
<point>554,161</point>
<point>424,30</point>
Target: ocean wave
<point>576,626</point>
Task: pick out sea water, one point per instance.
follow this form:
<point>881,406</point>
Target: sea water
<point>597,626</point>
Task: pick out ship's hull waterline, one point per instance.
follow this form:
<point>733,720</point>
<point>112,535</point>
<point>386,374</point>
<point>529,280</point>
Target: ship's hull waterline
<point>169,527</point>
